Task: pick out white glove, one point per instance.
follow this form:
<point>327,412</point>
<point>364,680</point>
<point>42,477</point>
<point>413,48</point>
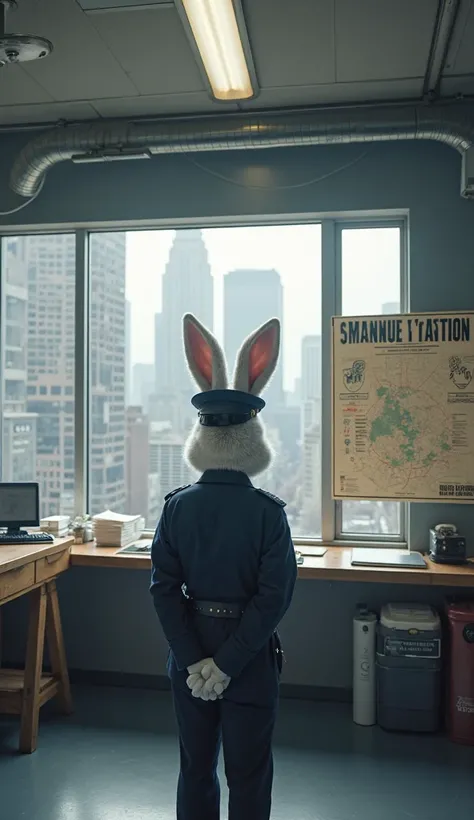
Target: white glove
<point>216,681</point>
<point>195,681</point>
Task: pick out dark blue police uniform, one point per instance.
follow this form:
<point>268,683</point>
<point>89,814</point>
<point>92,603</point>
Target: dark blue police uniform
<point>224,571</point>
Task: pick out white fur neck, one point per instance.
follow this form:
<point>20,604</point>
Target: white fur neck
<point>242,447</point>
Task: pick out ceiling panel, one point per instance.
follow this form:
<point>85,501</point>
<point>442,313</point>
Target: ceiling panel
<point>152,47</point>
<point>17,87</point>
<point>460,58</point>
<point>335,93</point>
<point>196,103</point>
<point>292,42</point>
<point>81,66</point>
<point>453,86</point>
<point>383,39</point>
<point>46,112</point>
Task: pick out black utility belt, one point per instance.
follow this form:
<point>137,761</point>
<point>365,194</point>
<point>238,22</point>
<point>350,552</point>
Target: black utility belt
<point>216,609</point>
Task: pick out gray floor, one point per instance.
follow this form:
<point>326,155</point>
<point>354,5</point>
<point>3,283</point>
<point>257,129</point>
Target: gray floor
<point>116,759</point>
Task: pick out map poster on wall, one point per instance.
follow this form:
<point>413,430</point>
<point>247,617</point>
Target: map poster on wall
<point>403,407</point>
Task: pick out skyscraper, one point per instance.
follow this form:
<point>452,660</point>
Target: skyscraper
<point>143,383</point>
<point>128,354</point>
<point>108,360</point>
<point>167,459</point>
<point>310,518</point>
<point>187,288</point>
<point>251,297</point>
<point>50,344</point>
<point>311,367</point>
<point>160,370</point>
<point>42,327</point>
<point>19,426</point>
<point>310,381</point>
<point>143,487</point>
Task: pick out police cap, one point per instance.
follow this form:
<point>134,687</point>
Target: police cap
<point>223,408</point>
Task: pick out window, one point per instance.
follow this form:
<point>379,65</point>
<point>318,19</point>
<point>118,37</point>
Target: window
<point>34,365</point>
<point>233,280</point>
<point>371,284</point>
<point>138,413</point>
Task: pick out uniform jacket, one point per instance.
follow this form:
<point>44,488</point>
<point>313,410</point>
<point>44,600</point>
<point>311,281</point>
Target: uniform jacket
<point>222,539</point>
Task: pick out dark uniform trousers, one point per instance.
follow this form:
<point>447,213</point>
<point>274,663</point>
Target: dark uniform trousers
<point>242,722</point>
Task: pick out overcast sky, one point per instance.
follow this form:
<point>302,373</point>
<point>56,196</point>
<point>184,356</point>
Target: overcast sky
<point>370,277</point>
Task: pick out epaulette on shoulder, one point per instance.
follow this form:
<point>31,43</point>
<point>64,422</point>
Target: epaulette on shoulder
<point>272,497</point>
<point>177,490</point>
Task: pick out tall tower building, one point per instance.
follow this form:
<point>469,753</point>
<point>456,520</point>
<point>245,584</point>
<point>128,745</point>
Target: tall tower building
<point>143,384</point>
<point>187,288</point>
<point>51,296</point>
<point>143,487</point>
<point>310,518</point>
<point>159,366</point>
<point>311,367</point>
<point>310,381</point>
<point>251,297</point>
<point>167,459</point>
<point>108,364</point>
<point>19,426</point>
<point>128,354</point>
<point>49,346</point>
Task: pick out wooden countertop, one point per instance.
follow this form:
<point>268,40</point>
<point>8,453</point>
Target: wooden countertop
<point>13,556</point>
<point>335,565</point>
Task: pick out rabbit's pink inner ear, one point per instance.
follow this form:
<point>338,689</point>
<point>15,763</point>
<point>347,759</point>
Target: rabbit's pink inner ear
<point>261,354</point>
<point>201,353</point>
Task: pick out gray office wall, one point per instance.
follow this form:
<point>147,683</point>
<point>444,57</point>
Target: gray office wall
<point>108,619</point>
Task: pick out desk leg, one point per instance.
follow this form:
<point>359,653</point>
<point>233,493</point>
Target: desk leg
<point>56,649</point>
<point>33,666</point>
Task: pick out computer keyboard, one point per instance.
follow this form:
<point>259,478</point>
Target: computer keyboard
<point>26,538</point>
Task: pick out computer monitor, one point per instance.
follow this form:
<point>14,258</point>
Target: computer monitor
<point>19,505</point>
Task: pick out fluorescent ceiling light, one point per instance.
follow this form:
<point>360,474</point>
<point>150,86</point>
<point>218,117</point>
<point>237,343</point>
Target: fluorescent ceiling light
<point>218,33</point>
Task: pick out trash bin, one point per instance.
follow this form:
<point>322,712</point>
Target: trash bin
<point>461,673</point>
<point>409,668</point>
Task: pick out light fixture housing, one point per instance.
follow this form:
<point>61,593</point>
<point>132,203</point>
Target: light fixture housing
<point>219,39</point>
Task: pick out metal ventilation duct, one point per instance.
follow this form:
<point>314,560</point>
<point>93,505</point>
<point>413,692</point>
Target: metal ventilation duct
<point>452,125</point>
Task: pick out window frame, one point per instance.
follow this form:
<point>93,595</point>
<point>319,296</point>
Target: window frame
<point>340,535</point>
<point>331,303</point>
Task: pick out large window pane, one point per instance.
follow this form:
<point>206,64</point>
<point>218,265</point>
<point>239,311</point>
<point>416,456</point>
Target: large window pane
<point>37,368</point>
<point>232,279</point>
<point>371,285</point>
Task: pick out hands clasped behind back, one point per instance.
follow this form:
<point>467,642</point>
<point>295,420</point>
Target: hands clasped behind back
<point>206,680</point>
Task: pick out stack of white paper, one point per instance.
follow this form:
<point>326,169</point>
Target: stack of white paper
<point>57,525</point>
<point>115,530</point>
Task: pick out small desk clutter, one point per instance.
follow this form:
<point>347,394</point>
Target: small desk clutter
<point>399,659</point>
<point>114,530</point>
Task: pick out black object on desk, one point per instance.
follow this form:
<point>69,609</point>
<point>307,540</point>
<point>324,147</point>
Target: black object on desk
<point>447,546</point>
<point>19,507</point>
<point>24,537</point>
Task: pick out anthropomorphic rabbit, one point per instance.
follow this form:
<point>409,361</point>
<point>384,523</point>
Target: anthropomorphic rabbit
<point>224,571</point>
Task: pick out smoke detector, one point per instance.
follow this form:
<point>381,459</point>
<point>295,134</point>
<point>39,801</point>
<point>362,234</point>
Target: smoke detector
<point>19,48</point>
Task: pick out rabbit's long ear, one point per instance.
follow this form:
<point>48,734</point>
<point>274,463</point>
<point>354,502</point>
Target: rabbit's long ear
<point>258,358</point>
<point>204,355</point>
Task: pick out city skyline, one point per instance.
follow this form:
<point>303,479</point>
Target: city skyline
<point>294,251</point>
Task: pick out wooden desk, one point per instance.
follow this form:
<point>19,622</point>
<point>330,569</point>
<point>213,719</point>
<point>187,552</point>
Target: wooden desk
<point>335,565</point>
<point>32,569</point>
